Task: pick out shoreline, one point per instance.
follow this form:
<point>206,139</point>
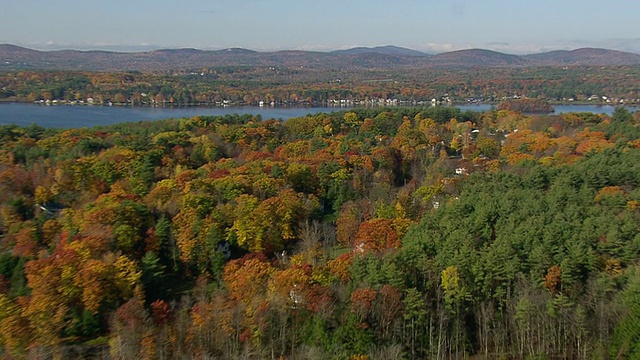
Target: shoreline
<point>334,104</point>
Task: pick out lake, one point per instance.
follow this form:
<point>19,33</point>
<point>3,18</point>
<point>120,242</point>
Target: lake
<point>75,116</point>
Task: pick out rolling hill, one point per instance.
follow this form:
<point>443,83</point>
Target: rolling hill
<point>385,50</point>
<point>585,56</point>
<point>14,57</point>
<point>477,58</point>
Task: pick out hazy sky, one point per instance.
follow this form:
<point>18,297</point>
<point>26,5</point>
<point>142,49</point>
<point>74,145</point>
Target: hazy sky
<point>516,26</point>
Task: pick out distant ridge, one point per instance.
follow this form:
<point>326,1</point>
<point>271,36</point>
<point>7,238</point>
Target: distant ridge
<point>385,50</point>
<point>14,57</point>
<point>585,56</point>
<point>236,51</point>
<point>177,51</point>
<point>14,49</point>
<point>477,58</point>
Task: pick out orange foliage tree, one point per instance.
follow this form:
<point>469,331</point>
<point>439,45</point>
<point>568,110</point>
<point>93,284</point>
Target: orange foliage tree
<point>377,235</point>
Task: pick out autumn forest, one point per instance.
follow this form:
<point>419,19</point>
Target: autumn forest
<point>289,85</point>
<point>385,233</point>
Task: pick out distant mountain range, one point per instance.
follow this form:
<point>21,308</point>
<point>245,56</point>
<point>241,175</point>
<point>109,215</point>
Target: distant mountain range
<point>15,57</point>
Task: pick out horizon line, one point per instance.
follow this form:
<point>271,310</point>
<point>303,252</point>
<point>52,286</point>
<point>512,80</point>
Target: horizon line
<point>141,48</point>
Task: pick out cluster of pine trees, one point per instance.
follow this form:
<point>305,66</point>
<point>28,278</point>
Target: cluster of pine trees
<point>363,234</point>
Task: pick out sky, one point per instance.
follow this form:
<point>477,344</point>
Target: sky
<point>434,26</point>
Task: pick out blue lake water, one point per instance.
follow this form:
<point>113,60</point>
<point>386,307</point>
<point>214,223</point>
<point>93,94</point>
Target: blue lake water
<point>68,116</point>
